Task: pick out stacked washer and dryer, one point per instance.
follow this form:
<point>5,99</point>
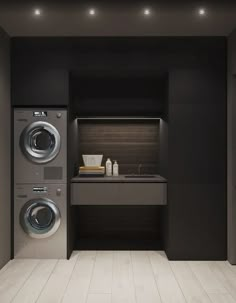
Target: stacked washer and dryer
<point>40,183</point>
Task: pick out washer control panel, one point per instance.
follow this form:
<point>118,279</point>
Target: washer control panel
<point>40,190</point>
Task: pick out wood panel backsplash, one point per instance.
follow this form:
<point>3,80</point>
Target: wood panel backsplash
<point>130,142</point>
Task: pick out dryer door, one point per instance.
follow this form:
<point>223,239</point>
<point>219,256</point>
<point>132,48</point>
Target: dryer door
<point>40,142</point>
<point>40,218</point>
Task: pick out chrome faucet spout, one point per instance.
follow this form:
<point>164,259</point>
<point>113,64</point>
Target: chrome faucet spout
<point>139,169</point>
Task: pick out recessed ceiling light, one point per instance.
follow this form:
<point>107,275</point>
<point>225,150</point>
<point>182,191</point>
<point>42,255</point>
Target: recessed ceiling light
<point>146,11</point>
<point>202,11</point>
<point>37,12</point>
<point>92,12</point>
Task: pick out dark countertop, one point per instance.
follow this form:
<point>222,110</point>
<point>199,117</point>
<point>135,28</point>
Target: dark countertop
<point>120,179</point>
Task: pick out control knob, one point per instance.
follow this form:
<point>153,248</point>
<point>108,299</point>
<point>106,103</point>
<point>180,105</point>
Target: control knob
<point>58,191</point>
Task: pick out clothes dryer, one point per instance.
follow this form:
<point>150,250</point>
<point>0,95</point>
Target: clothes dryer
<point>40,146</point>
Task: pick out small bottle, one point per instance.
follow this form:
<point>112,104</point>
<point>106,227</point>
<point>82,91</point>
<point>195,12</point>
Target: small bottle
<point>108,168</point>
<point>115,169</point>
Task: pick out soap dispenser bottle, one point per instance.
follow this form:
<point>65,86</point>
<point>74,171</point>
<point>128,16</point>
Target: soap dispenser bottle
<point>108,168</point>
<point>115,169</point>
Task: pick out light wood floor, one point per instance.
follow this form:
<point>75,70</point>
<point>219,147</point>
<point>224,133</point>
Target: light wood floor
<point>117,277</point>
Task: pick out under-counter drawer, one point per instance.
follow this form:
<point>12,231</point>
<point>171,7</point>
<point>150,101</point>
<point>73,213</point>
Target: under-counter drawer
<point>119,193</point>
<point>95,193</point>
<point>143,193</point>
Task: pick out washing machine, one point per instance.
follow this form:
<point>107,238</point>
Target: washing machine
<point>40,146</point>
<point>40,217</point>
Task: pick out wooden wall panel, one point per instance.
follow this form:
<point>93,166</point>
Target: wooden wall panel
<point>129,142</point>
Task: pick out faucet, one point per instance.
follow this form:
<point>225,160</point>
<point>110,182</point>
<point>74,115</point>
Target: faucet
<point>139,168</point>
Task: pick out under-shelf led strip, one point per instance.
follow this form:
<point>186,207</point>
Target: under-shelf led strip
<point>118,118</point>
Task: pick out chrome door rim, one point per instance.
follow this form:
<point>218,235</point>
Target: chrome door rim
<point>29,152</point>
<point>25,220</point>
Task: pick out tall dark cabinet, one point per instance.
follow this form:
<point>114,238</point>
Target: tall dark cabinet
<point>197,164</point>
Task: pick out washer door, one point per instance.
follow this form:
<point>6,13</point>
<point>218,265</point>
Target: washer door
<point>40,218</point>
<point>40,142</point>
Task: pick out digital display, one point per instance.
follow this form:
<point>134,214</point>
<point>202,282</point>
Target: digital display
<point>40,114</point>
<point>40,189</point>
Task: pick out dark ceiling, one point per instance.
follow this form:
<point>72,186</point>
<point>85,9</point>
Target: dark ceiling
<point>118,18</point>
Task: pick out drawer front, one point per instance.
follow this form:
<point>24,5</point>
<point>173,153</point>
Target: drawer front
<point>119,193</point>
<point>143,193</point>
<point>95,193</point>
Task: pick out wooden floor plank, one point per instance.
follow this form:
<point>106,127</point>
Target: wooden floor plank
<point>221,298</point>
<point>54,289</point>
<point>206,277</point>
<point>123,289</point>
<point>168,287</point>
<point>144,280</point>
<point>31,290</point>
<point>14,277</point>
<point>225,276</point>
<point>5,267</point>
<point>99,298</point>
<point>101,282</point>
<point>78,286</point>
<point>232,267</point>
<point>190,286</point>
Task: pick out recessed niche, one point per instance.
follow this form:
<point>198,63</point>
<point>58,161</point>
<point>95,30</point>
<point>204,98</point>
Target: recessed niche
<point>131,142</point>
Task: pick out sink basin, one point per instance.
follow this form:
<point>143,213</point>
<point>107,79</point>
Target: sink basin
<point>140,176</point>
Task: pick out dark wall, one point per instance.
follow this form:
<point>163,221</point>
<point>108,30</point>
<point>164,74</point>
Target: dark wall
<point>231,149</point>
<point>5,149</point>
<point>195,225</point>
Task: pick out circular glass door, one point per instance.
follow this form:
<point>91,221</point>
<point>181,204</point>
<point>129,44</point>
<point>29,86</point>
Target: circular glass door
<point>40,142</point>
<point>40,218</point>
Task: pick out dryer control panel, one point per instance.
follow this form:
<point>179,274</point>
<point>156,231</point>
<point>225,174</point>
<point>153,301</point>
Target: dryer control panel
<point>40,114</point>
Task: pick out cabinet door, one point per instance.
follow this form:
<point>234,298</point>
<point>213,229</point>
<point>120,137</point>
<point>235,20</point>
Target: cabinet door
<point>35,86</point>
<point>196,224</point>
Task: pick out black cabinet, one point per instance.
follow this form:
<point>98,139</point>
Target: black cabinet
<point>197,165</point>
<point>196,222</point>
<point>40,86</point>
<point>113,94</point>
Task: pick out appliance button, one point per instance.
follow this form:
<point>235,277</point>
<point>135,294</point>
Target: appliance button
<point>58,192</point>
<point>58,115</point>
